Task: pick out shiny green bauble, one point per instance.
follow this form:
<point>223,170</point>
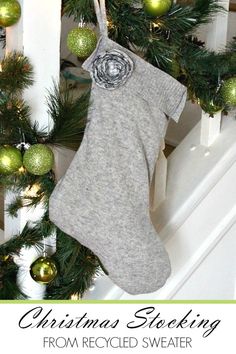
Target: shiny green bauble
<point>38,159</point>
<point>228,91</point>
<point>10,12</point>
<point>82,42</point>
<point>210,107</point>
<point>10,159</point>
<point>157,8</point>
<point>43,270</point>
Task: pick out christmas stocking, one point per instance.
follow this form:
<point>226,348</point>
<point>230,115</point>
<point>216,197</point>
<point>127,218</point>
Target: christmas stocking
<point>103,199</point>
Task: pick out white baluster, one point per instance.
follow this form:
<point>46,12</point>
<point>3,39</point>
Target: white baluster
<point>216,40</point>
<point>37,35</point>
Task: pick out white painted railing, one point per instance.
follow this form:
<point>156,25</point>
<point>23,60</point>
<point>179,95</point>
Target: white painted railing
<point>37,35</point>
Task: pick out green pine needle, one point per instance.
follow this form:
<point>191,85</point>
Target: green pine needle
<point>69,117</point>
<point>77,266</point>
<point>16,74</point>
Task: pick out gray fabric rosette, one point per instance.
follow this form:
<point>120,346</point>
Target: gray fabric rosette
<point>112,69</point>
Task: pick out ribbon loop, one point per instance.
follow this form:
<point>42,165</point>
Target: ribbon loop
<point>100,9</point>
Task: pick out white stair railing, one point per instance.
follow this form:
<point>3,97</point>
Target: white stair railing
<point>37,36</point>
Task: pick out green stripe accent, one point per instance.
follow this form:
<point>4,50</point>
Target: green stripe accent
<point>102,302</point>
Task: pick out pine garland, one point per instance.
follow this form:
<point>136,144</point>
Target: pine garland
<point>76,265</point>
<point>16,74</point>
<point>166,41</point>
<point>69,117</point>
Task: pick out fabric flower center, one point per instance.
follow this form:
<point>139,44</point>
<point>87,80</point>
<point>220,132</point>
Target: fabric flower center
<point>112,69</point>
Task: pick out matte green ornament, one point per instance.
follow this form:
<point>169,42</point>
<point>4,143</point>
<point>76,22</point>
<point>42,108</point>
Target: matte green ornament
<point>82,42</point>
<point>228,91</point>
<point>10,159</point>
<point>38,159</point>
<point>157,8</point>
<point>43,270</point>
<point>10,12</point>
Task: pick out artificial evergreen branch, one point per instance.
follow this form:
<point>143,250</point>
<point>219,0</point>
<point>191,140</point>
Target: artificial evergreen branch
<point>31,236</point>
<point>77,267</point>
<point>130,26</point>
<point>79,9</point>
<point>8,284</point>
<point>20,202</point>
<point>15,125</point>
<point>84,9</point>
<point>69,117</point>
<point>22,180</point>
<point>30,190</point>
<point>15,205</point>
<point>196,61</point>
<point>205,10</point>
<point>16,74</point>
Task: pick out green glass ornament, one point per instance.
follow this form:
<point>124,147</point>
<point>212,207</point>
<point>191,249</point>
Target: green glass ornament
<point>228,91</point>
<point>10,12</point>
<point>210,107</point>
<point>10,159</point>
<point>38,159</point>
<point>82,42</point>
<point>43,270</point>
<point>157,8</point>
